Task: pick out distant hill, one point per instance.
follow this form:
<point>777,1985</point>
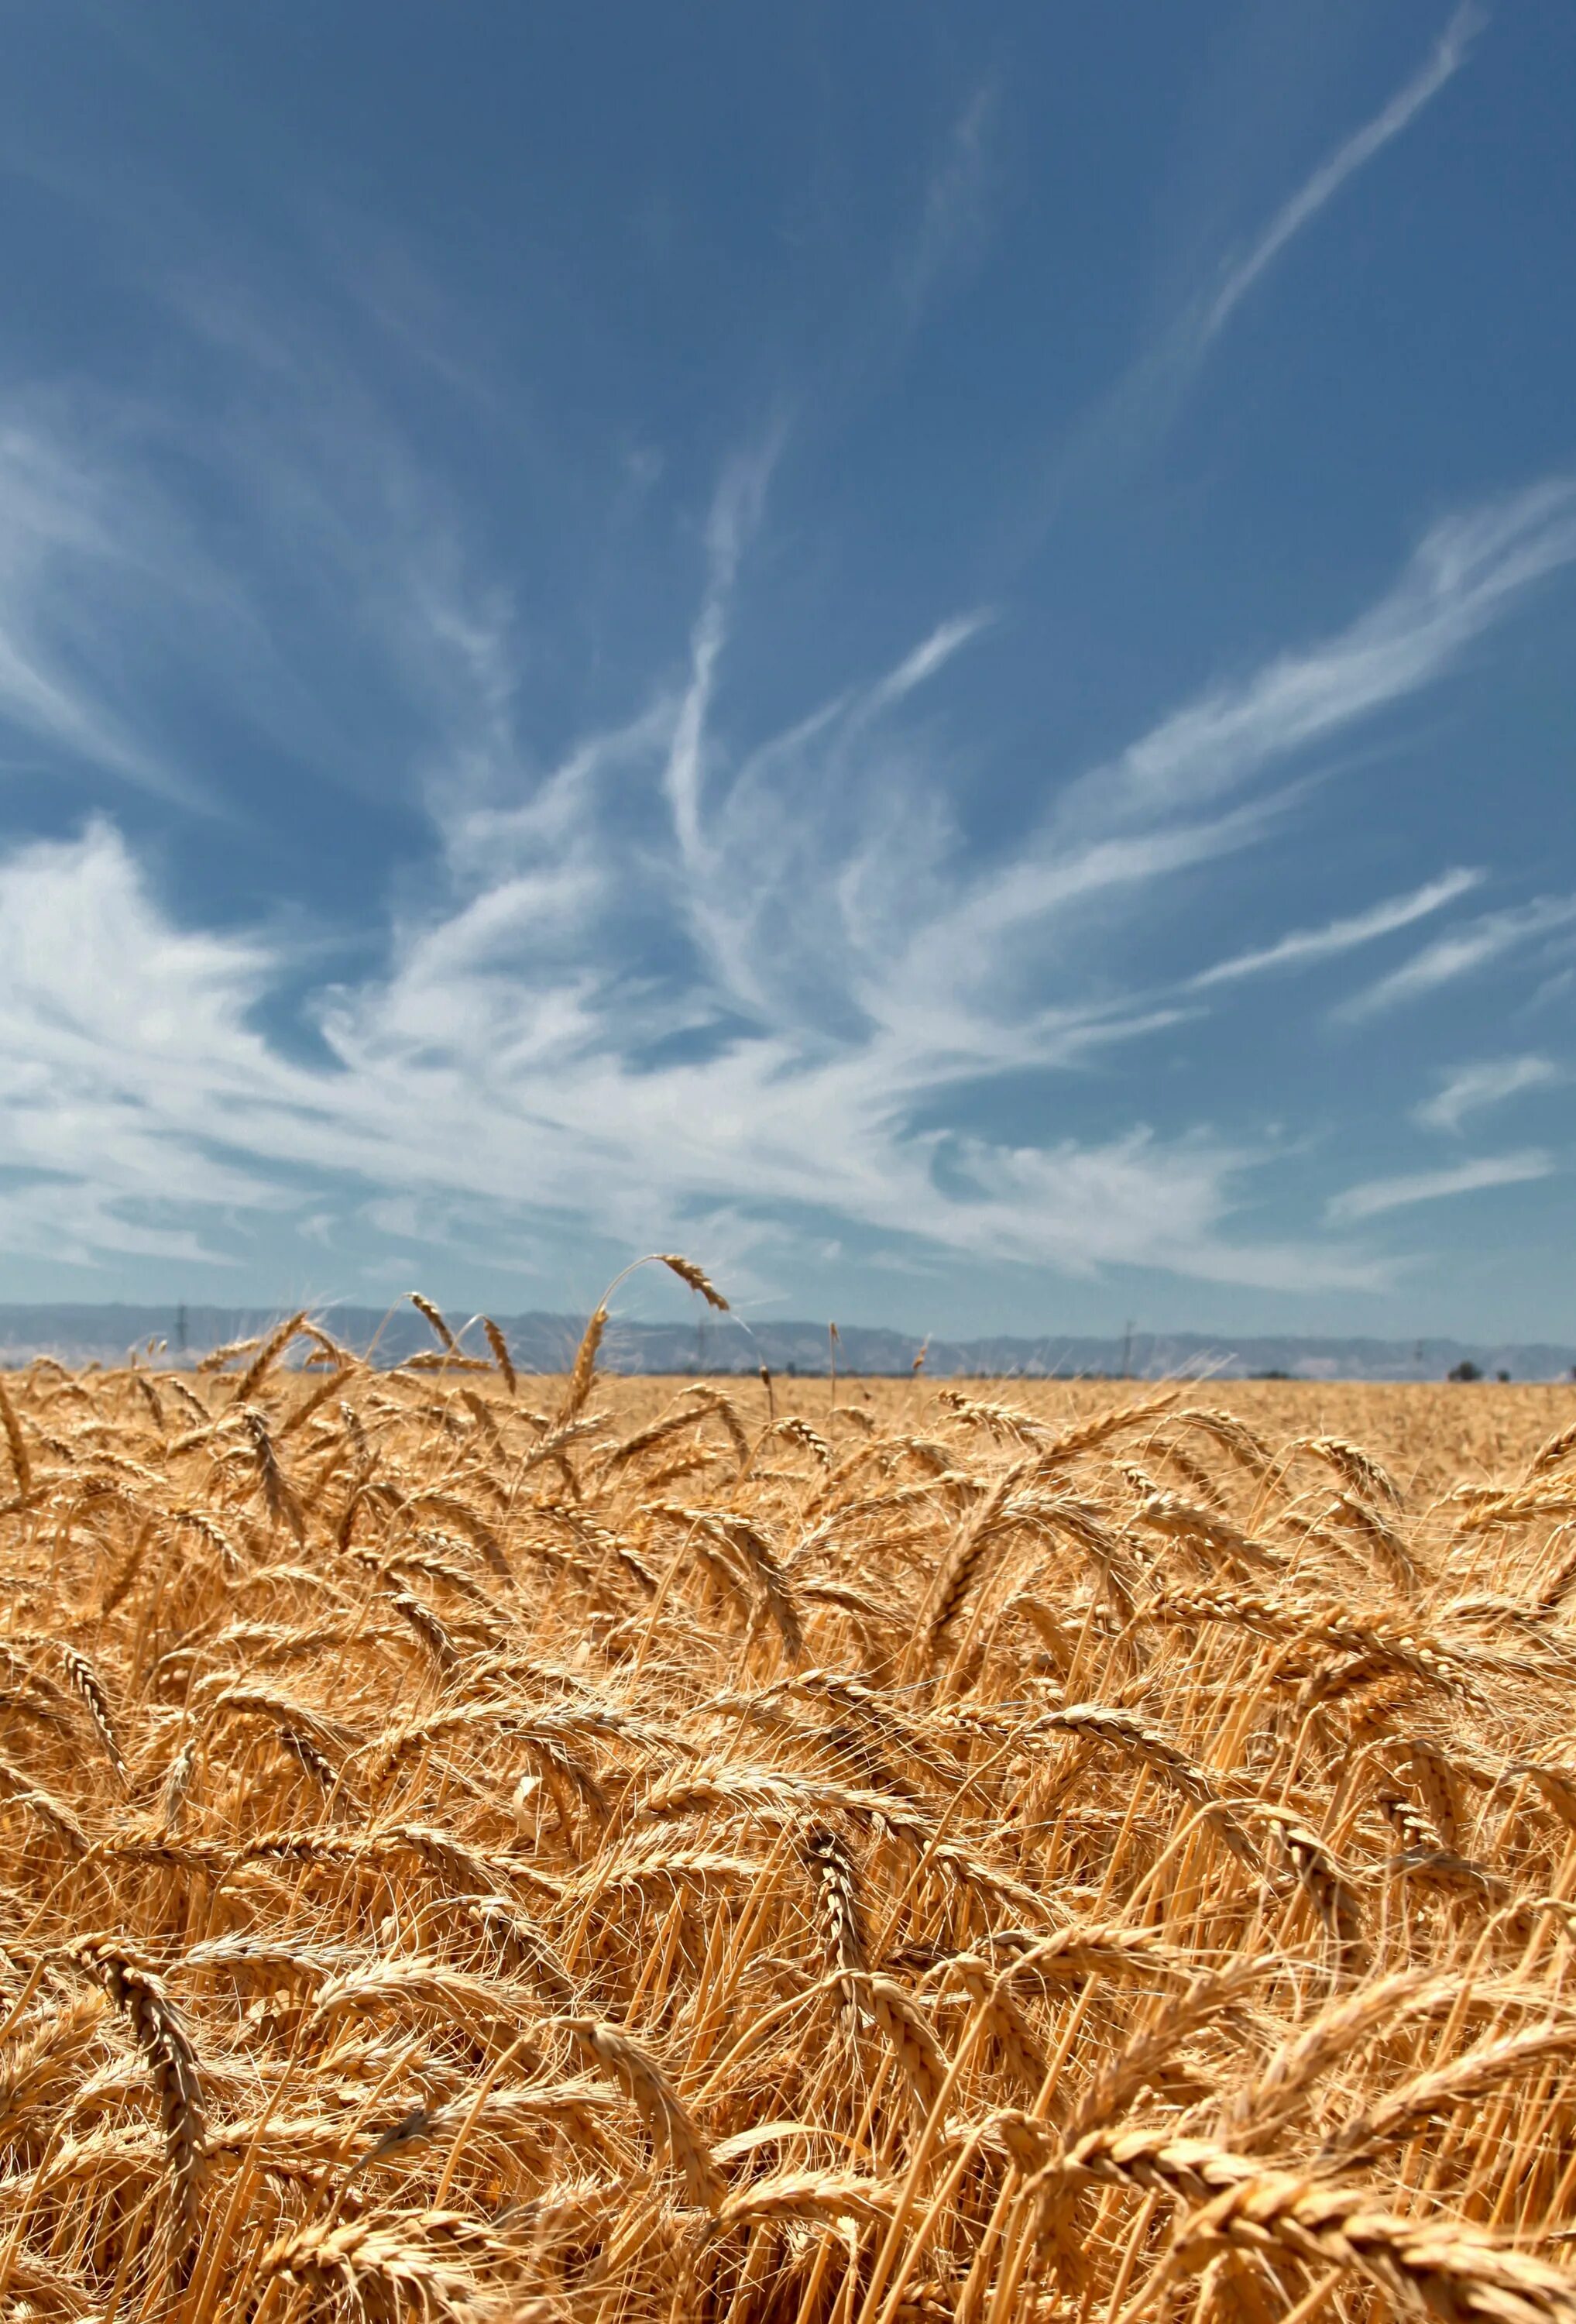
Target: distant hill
<point>79,1334</point>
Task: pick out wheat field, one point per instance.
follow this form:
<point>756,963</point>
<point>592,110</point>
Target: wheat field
<point>576,1849</point>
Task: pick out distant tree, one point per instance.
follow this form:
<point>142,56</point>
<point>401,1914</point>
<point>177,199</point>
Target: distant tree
<point>1502,1376</point>
<point>1465,1370</point>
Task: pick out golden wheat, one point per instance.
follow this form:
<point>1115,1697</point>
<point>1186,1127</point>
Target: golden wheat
<point>1036,1852</point>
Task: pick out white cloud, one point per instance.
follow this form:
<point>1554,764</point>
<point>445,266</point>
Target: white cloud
<point>350,637</point>
<point>1377,1196</point>
<point>1305,944</point>
<point>1476,945</point>
<point>1464,576</point>
<point>956,203</point>
<point>142,1097</point>
<point>668,982</point>
<point>1145,399</point>
<point>736,514</point>
<point>929,657</point>
<point>1448,55</point>
<point>1472,1088</point>
<point>74,543</point>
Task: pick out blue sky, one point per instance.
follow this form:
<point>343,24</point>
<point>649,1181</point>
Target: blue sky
<point>926,651</point>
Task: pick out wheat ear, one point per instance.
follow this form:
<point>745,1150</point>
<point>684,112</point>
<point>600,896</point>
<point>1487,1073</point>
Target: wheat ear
<point>134,1988</point>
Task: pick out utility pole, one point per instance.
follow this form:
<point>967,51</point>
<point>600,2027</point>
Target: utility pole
<point>1128,1350</point>
<point>181,1327</point>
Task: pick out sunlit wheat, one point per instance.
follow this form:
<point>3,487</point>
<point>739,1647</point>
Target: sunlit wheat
<point>588,1850</point>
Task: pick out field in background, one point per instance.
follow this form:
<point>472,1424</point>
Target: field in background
<point>1439,1434</point>
<point>587,1849</point>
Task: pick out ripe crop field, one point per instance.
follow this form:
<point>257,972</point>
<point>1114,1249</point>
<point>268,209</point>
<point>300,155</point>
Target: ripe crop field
<point>594,1849</point>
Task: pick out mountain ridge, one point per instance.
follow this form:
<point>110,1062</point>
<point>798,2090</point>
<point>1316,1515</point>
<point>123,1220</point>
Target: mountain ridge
<point>81,1332</point>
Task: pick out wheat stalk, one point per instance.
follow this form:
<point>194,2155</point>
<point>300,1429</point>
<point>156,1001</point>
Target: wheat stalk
<point>799,1898</point>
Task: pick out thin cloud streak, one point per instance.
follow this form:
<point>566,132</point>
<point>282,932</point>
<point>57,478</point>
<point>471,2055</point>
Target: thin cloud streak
<point>1139,408</point>
<point>1154,808</point>
<point>1462,577</point>
<point>63,555</point>
<point>1460,953</point>
<point>1304,945</point>
<point>1377,1196</point>
<point>953,220</point>
<point>736,514</point>
<point>931,656</point>
<point>1449,55</point>
<point>1473,1088</point>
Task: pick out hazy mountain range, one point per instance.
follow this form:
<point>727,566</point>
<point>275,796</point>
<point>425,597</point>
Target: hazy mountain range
<point>540,1343</point>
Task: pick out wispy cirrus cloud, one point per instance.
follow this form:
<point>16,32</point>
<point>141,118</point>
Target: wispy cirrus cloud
<point>1159,808</point>
<point>150,1093</point>
<point>1460,953</point>
<point>1473,1088</point>
<point>668,976</point>
<point>1375,1196</point>
<point>1304,945</point>
<point>69,559</point>
<point>1463,575</point>
<point>128,629</point>
<point>957,205</point>
<point>736,514</point>
<point>1141,406</point>
<point>1444,60</point>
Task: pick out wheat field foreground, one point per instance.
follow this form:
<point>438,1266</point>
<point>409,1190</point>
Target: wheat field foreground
<point>597,1849</point>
